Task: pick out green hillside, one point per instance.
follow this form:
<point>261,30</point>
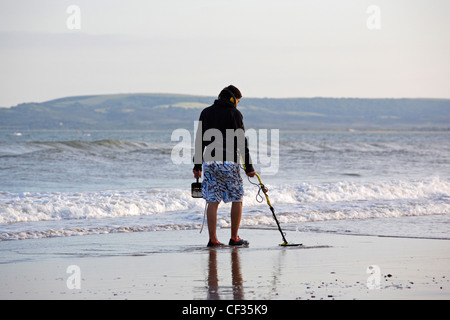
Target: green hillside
<point>169,111</point>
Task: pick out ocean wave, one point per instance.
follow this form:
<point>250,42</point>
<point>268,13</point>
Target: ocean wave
<point>352,191</point>
<point>323,200</point>
<point>32,207</point>
<point>345,147</point>
<point>82,231</point>
<point>75,146</point>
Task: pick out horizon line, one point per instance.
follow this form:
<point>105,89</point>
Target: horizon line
<point>211,96</point>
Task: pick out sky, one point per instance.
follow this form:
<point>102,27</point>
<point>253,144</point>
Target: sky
<point>267,48</point>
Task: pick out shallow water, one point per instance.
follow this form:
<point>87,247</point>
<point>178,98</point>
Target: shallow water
<point>66,183</point>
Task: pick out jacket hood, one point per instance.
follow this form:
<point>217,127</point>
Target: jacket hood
<point>222,102</point>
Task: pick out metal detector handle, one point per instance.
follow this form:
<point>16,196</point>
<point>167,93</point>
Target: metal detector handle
<point>264,189</point>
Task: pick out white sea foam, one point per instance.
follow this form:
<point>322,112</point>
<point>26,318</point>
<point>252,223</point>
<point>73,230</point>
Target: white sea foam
<point>352,191</point>
<point>165,209</point>
<point>27,207</point>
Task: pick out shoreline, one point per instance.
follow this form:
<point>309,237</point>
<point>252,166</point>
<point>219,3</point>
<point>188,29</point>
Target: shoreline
<point>342,130</point>
<point>176,265</point>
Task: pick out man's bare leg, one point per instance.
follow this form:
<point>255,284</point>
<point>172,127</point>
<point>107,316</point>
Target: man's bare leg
<point>211,214</point>
<point>236,214</point>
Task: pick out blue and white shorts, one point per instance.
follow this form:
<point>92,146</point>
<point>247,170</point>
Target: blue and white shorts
<point>222,182</point>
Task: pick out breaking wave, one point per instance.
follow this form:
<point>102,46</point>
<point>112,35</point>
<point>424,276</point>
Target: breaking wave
<point>167,209</point>
<point>75,146</point>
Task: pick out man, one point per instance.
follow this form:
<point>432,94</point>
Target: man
<point>218,158</point>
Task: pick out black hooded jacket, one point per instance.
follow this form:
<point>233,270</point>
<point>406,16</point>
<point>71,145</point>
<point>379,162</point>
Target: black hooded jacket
<point>222,115</point>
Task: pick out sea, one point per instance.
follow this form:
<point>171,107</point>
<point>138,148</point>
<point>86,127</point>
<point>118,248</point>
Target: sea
<point>70,183</point>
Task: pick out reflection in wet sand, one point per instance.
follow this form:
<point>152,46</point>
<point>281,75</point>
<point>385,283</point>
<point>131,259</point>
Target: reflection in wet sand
<point>214,290</point>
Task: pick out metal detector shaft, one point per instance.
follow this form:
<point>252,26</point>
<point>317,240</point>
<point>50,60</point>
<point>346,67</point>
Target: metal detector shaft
<point>278,225</point>
<point>264,189</point>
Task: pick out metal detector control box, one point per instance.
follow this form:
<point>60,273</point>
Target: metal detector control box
<point>196,189</point>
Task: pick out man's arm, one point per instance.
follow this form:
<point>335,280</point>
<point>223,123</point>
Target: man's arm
<point>239,123</point>
<point>198,150</point>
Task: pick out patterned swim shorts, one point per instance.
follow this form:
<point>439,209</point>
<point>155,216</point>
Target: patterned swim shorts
<point>222,181</point>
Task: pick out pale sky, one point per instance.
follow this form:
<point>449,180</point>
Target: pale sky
<point>267,48</point>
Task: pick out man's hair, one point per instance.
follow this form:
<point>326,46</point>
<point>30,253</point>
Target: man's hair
<point>225,93</point>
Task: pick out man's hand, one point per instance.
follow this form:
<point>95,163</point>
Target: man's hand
<point>197,174</point>
<point>251,174</point>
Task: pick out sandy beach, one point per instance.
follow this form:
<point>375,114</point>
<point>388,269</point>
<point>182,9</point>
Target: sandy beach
<point>177,265</point>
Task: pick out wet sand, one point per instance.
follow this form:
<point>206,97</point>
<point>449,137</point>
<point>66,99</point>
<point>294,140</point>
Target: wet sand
<point>175,265</point>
